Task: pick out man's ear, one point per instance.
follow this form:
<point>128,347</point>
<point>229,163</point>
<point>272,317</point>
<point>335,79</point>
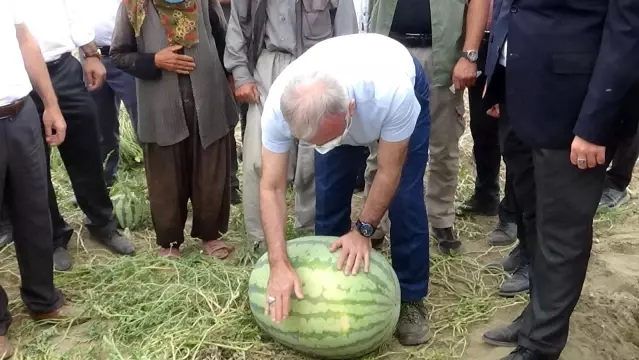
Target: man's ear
<point>351,108</point>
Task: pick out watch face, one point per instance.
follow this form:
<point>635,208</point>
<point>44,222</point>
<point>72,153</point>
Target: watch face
<point>472,55</point>
<point>366,229</point>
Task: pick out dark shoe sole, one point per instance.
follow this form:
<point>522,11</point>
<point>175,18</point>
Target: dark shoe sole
<point>502,243</point>
<point>512,294</point>
<point>414,340</point>
<point>498,343</point>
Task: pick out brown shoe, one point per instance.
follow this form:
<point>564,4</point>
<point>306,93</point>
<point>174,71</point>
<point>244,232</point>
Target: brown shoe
<point>64,313</point>
<point>6,349</point>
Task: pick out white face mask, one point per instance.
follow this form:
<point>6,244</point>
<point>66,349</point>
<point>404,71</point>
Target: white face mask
<point>323,149</point>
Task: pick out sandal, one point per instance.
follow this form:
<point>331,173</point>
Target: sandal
<point>170,252</point>
<point>218,249</point>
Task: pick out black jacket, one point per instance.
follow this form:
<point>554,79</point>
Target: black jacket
<point>572,69</point>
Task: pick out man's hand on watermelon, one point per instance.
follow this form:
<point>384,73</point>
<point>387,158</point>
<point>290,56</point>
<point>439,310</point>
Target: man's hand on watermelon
<point>355,252</point>
<point>283,282</point>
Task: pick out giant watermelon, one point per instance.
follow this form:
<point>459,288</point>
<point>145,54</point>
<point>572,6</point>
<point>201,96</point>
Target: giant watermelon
<point>340,317</point>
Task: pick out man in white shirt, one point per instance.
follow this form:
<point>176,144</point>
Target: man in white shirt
<point>60,26</point>
<point>340,96</point>
<point>23,181</point>
<point>118,88</point>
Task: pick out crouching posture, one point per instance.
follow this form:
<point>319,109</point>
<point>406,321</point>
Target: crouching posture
<point>340,96</point>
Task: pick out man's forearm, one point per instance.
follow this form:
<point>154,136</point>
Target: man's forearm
<point>476,20</point>
<point>380,195</point>
<point>36,67</point>
<point>273,212</point>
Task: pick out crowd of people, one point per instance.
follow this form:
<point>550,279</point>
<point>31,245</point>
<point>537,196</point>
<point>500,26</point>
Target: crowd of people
<point>332,96</point>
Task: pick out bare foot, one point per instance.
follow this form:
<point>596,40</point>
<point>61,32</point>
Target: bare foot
<point>171,252</point>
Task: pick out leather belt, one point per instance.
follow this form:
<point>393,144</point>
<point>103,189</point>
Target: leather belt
<point>413,40</point>
<point>55,63</point>
<point>12,109</point>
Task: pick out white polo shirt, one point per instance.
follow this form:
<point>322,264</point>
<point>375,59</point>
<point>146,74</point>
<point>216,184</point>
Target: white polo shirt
<point>379,74</point>
<point>14,81</point>
<point>60,26</point>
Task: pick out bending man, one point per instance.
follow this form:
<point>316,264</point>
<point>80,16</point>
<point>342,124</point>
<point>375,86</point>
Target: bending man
<point>340,96</point>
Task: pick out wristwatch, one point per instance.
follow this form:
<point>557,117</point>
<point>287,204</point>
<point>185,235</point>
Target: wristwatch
<point>365,229</point>
<point>471,55</point>
<point>96,54</point>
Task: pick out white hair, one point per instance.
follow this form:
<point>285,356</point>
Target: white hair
<point>310,97</point>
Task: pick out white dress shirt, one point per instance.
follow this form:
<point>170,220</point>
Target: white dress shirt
<point>60,26</point>
<point>379,74</point>
<point>104,20</point>
<point>503,55</point>
<point>14,81</point>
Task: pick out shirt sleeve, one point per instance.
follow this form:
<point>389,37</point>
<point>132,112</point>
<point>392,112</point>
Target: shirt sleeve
<point>276,135</point>
<point>82,29</point>
<point>18,13</point>
<point>402,115</point>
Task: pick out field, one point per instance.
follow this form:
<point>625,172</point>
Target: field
<point>148,308</point>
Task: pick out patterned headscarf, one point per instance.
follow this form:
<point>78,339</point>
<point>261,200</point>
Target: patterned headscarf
<point>179,19</point>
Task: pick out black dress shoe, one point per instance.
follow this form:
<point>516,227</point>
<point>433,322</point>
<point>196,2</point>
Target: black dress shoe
<point>61,259</point>
<point>477,206</point>
<point>116,242</point>
<point>6,237</point>
<point>522,353</point>
<point>447,241</point>
<point>503,336</point>
<point>510,263</point>
<point>518,283</point>
<point>505,234</point>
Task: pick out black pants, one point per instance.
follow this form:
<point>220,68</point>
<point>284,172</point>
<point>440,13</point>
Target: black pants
<point>80,152</point>
<point>23,190</point>
<point>623,163</point>
<point>520,183</point>
<point>486,150</point>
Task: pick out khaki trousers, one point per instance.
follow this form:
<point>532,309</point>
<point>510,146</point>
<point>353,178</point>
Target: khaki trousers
<point>446,128</point>
<point>301,159</point>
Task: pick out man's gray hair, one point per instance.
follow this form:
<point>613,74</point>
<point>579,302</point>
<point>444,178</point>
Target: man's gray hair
<point>310,97</point>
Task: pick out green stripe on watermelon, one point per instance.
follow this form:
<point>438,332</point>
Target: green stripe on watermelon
<point>359,343</point>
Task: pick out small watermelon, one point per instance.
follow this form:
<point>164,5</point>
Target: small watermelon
<point>340,317</point>
<point>128,210</point>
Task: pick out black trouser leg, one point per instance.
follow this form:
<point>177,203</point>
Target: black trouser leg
<point>567,200</point>
<point>625,157</point>
<point>484,130</point>
<point>80,152</point>
<point>108,108</point>
<point>243,111</point>
<point>23,175</point>
<point>520,183</point>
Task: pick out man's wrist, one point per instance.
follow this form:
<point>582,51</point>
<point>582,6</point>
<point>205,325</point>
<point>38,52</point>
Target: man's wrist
<point>51,102</point>
<point>278,257</point>
<point>90,50</point>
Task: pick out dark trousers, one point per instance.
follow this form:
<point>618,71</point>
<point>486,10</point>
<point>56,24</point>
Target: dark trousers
<point>118,88</point>
<point>335,177</point>
<point>80,153</point>
<point>23,190</point>
<point>567,200</point>
<point>619,175</point>
<point>486,150</point>
<point>242,110</point>
<point>520,183</point>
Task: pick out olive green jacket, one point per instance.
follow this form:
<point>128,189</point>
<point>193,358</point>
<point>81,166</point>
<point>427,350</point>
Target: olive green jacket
<point>447,19</point>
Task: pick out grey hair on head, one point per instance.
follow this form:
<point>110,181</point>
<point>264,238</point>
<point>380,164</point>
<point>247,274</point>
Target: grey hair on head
<point>310,97</point>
